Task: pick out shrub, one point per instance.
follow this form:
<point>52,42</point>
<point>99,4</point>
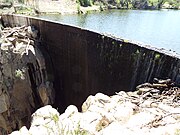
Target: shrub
<point>85,3</point>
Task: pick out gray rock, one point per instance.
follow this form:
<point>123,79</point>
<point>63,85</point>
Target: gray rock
<point>22,67</point>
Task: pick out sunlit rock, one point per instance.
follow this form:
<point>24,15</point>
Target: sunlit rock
<point>116,128</point>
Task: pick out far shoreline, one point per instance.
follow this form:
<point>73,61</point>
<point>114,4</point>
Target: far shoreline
<point>63,8</point>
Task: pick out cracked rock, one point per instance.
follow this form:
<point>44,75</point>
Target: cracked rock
<point>23,85</point>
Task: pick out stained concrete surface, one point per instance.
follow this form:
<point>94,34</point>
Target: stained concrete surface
<point>85,62</point>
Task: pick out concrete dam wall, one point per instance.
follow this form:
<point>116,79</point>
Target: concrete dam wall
<point>85,62</point>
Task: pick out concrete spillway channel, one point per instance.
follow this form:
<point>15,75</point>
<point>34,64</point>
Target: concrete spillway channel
<point>81,62</point>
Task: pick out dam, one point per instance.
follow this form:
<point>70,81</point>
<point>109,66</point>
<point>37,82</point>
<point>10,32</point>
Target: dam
<point>84,62</point>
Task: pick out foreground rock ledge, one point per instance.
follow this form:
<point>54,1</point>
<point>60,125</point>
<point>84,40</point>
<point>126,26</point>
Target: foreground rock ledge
<point>154,109</point>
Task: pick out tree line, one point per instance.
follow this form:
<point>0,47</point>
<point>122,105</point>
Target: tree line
<point>133,4</point>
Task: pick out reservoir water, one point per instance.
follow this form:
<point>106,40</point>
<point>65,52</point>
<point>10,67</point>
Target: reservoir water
<point>158,28</point>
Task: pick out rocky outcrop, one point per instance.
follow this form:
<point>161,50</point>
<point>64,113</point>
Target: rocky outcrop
<point>24,85</point>
<point>5,5</point>
<point>154,109</point>
<point>54,6</point>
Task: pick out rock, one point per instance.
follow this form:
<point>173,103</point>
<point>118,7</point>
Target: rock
<point>87,103</point>
<point>3,124</point>
<point>140,119</point>
<point>169,129</point>
<point>71,110</point>
<point>116,128</point>
<point>123,112</point>
<point>91,121</point>
<point>45,121</point>
<point>44,115</point>
<point>102,98</point>
<point>149,104</point>
<point>32,32</point>
<point>24,131</point>
<point>6,46</point>
<point>4,103</point>
<point>16,133</point>
<point>43,93</point>
<point>5,4</point>
<point>118,114</point>
<point>42,130</point>
<point>22,72</point>
<point>160,81</point>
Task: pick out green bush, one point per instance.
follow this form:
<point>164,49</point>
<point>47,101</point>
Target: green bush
<point>21,1</point>
<point>85,3</point>
<point>174,3</point>
<point>117,1</point>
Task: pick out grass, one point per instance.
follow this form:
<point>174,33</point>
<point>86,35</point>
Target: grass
<point>19,74</point>
<point>157,56</point>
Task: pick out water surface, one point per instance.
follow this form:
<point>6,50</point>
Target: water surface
<point>160,28</point>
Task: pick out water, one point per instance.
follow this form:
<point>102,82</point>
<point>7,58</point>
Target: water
<point>160,28</point>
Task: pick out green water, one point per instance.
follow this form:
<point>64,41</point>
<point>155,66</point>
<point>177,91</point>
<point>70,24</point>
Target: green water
<point>160,28</point>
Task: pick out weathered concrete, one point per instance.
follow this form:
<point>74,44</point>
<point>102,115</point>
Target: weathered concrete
<point>87,62</point>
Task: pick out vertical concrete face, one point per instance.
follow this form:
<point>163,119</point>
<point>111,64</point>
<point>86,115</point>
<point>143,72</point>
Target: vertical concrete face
<point>86,62</point>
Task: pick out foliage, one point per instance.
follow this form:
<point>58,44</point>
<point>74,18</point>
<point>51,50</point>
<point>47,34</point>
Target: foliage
<point>55,118</point>
<point>157,56</point>
<point>139,4</point>
<point>85,3</point>
<point>174,3</point>
<point>78,8</point>
<point>118,1</point>
<point>24,10</point>
<point>64,130</point>
<point>19,74</point>
<point>8,1</point>
<point>80,131</point>
<point>21,1</point>
<point>152,2</point>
